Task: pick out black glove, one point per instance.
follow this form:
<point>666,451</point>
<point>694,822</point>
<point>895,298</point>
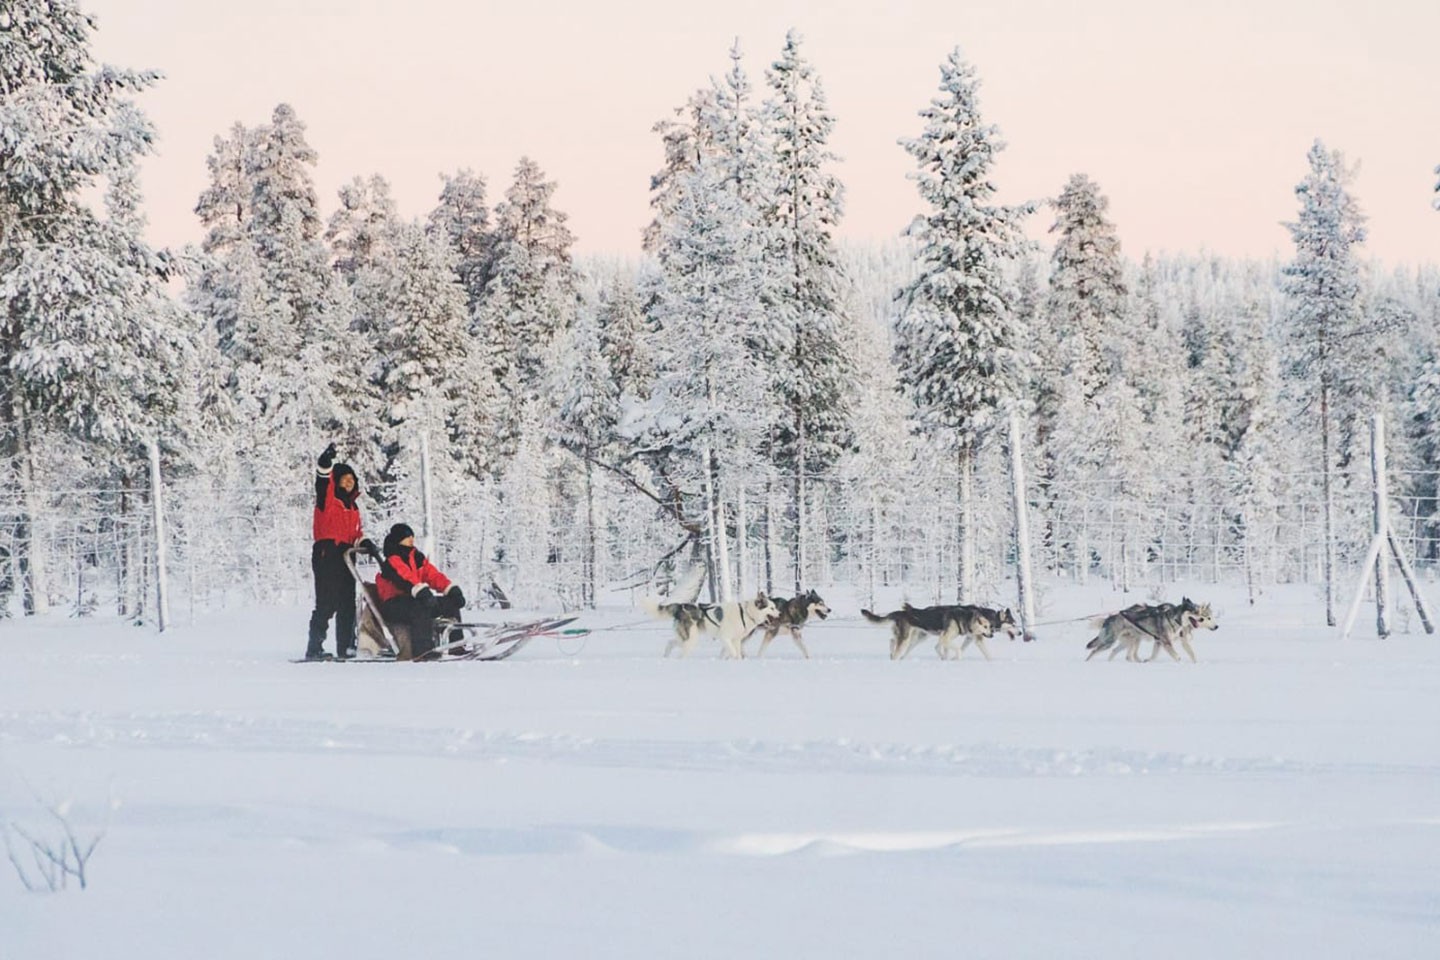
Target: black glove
<point>425,597</point>
<point>367,546</point>
<point>456,597</point>
<point>327,458</point>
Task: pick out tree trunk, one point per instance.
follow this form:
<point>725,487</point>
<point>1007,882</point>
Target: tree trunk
<point>769,520</point>
<point>742,528</point>
<point>717,526</point>
<point>964,461</point>
<point>30,539</point>
<point>1325,480</point>
<point>798,505</point>
<point>588,587</point>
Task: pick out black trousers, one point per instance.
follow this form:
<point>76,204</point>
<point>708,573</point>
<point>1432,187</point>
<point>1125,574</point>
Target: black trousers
<point>419,614</point>
<point>334,597</point>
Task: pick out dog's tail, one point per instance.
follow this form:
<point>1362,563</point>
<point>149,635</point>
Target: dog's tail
<point>876,618</point>
<point>1099,621</point>
<point>652,605</point>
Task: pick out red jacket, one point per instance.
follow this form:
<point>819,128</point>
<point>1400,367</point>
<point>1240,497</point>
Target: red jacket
<point>406,571</point>
<point>337,514</point>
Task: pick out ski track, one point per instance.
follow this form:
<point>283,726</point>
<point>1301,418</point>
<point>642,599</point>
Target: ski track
<point>206,731</point>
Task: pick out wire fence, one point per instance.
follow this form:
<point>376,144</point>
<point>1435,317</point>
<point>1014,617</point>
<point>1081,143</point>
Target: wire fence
<point>547,545</point>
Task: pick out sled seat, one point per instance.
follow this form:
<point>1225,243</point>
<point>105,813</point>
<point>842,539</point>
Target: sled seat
<point>375,635</point>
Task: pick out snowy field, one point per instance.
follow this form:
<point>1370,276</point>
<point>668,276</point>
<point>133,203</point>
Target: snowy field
<point>1279,799</point>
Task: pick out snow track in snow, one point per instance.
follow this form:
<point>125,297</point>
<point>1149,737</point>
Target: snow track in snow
<point>842,756</point>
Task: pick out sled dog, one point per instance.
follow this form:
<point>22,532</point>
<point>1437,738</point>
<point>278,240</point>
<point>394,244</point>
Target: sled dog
<point>792,615</point>
<point>730,623</point>
<point>909,624</point>
<point>1162,623</point>
<point>1000,621</point>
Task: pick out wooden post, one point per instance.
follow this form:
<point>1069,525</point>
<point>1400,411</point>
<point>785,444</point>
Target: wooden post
<point>1381,523</point>
<point>1409,576</point>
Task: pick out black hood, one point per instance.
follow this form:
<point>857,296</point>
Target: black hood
<point>345,470</point>
<point>392,539</point>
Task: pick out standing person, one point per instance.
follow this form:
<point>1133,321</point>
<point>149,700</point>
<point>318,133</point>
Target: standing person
<point>413,591</point>
<point>336,529</point>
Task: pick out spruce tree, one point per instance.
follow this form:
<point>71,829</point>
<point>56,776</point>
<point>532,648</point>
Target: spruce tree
<point>1087,287</point>
<point>686,139</point>
<point>1322,285</point>
<point>708,404</point>
<point>91,346</point>
<point>531,295</point>
<point>958,344</point>
<point>462,217</point>
<point>587,421</point>
<point>803,307</point>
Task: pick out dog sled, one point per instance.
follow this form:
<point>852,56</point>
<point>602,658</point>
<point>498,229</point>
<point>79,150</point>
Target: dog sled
<point>378,641</point>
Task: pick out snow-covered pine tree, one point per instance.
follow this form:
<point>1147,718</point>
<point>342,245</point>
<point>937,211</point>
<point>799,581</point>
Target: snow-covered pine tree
<point>462,217</point>
<point>1323,287</point>
<point>531,296</point>
<point>362,226</point>
<point>91,346</point>
<point>708,405</point>
<point>425,345</point>
<point>224,206</point>
<point>804,323</point>
<point>1087,286</point>
<point>1086,301</point>
<point>361,235</point>
<point>587,420</point>
<point>880,467</point>
<point>686,139</point>
<point>959,347</point>
<point>624,336</point>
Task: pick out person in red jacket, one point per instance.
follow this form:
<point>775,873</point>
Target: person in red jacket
<point>413,591</point>
<point>336,529</point>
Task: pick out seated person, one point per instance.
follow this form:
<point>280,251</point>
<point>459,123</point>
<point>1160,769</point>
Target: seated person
<point>413,592</point>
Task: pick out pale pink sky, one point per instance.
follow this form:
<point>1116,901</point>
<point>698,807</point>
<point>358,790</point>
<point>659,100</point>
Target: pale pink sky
<point>1194,117</point>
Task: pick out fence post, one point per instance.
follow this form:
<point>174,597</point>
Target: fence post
<point>1024,589</point>
<point>1382,523</point>
<point>162,578</point>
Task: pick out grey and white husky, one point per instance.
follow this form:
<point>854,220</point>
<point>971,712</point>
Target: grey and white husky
<point>729,622</point>
<point>945,622</point>
<point>1001,621</point>
<point>1162,623</point>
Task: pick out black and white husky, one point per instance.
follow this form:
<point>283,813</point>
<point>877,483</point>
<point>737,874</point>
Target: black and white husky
<point>1000,621</point>
<point>1163,623</point>
<point>729,622</point>
<point>945,622</point>
<point>792,615</point>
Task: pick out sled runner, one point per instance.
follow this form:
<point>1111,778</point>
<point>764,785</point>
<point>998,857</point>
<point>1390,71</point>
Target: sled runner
<point>481,641</point>
<point>383,642</point>
<point>493,641</point>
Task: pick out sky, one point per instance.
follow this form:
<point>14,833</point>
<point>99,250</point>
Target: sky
<point>1194,118</point>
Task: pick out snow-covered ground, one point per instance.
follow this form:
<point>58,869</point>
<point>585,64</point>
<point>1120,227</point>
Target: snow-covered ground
<point>1279,799</point>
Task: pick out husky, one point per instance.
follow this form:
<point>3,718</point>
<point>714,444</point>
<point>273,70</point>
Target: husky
<point>909,624</point>
<point>729,622</point>
<point>1001,621</point>
<point>793,614</point>
<point>1163,623</point>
